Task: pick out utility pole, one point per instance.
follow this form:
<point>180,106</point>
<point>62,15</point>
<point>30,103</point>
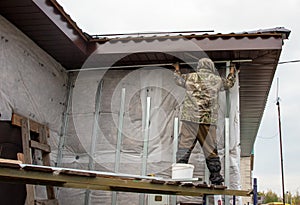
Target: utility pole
<point>280,143</point>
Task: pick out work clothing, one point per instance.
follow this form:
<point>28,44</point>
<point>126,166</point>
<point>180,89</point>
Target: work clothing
<point>192,132</point>
<point>214,167</point>
<point>206,136</point>
<point>201,100</point>
<point>200,114</point>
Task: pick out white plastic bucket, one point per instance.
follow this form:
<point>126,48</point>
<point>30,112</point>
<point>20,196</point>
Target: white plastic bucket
<point>182,171</point>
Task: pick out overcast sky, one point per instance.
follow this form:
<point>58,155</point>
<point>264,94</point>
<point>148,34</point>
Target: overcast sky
<point>105,17</point>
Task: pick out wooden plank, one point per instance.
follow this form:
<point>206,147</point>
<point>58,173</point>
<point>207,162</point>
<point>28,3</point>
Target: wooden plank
<point>27,126</point>
<point>110,184</point>
<point>20,157</point>
<point>38,168</point>
<point>30,194</point>
<point>155,181</point>
<point>25,140</point>
<point>174,183</point>
<point>202,186</point>
<point>43,134</point>
<point>4,164</point>
<point>25,129</point>
<point>43,139</point>
<point>40,146</point>
<point>34,126</point>
<point>10,163</point>
<point>71,172</point>
<point>218,187</point>
<point>187,184</point>
<point>46,157</point>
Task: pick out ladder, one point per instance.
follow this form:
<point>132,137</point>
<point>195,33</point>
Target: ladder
<point>30,144</point>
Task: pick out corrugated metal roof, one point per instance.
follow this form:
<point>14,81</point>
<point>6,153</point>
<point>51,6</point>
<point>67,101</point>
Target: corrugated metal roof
<point>262,33</point>
<point>50,27</point>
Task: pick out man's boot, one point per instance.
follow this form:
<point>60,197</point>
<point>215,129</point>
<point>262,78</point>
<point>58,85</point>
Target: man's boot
<point>214,166</point>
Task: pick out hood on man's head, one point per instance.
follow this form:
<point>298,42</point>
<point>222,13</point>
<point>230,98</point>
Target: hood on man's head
<point>206,63</point>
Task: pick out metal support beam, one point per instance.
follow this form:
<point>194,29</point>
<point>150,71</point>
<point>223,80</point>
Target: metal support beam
<point>119,141</point>
<point>120,131</point>
<point>91,165</point>
<point>204,198</point>
<point>175,147</point>
<point>146,137</point>
<point>145,147</point>
<point>151,65</point>
<point>255,191</point>
<point>65,121</point>
<point>227,138</point>
<point>175,138</point>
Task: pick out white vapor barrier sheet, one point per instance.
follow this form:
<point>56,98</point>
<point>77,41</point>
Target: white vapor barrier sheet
<point>166,99</point>
<point>32,83</point>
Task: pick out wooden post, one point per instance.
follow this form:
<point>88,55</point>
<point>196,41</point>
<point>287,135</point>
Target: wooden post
<point>25,128</point>
<point>46,157</point>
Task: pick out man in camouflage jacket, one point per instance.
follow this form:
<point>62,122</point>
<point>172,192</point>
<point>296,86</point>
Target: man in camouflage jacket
<point>200,113</point>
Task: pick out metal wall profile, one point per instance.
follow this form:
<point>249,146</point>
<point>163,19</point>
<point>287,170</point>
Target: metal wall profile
<point>119,140</point>
<point>175,148</point>
<point>65,120</point>
<point>145,145</point>
<point>91,165</point>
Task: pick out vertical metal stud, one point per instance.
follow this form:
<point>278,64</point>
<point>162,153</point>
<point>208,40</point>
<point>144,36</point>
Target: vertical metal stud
<point>65,121</point>
<point>175,147</point>
<point>175,140</point>
<point>145,147</point>
<point>91,165</point>
<point>227,138</point>
<point>146,137</point>
<point>119,141</point>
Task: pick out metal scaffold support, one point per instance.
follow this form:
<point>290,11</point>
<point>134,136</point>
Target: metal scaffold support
<point>255,191</point>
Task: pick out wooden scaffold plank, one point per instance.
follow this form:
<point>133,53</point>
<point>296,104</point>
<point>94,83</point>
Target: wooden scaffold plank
<point>71,179</point>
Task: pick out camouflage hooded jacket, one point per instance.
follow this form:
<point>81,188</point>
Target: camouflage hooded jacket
<point>201,99</point>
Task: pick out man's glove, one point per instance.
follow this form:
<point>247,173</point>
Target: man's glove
<point>176,66</point>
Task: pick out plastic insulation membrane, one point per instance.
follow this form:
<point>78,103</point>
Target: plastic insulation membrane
<point>34,85</point>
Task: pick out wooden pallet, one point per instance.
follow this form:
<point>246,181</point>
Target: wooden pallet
<point>40,143</point>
